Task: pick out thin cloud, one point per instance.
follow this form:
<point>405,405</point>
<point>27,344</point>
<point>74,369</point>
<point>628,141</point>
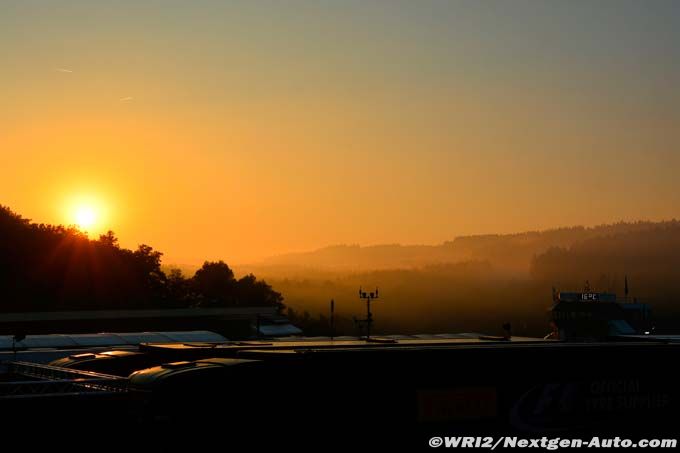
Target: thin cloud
<point>126,99</point>
<point>63,70</point>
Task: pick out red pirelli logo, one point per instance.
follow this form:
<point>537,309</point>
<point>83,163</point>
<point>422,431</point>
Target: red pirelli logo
<point>461,403</point>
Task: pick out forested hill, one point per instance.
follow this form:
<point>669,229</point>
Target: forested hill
<point>48,268</point>
<point>509,252</point>
<point>650,257</point>
<point>479,295</point>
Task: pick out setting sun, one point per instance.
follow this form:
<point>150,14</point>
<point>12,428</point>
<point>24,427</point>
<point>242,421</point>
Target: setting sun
<point>85,217</point>
<point>87,213</point>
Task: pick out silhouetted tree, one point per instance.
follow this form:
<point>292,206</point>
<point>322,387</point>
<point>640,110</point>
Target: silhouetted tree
<point>109,239</point>
<point>46,267</point>
<point>179,289</point>
<point>215,284</point>
<point>253,292</point>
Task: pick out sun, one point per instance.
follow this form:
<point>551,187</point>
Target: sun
<point>85,217</point>
<point>87,213</point>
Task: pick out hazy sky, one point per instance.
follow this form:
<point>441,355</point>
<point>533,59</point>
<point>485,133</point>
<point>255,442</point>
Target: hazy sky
<point>236,130</point>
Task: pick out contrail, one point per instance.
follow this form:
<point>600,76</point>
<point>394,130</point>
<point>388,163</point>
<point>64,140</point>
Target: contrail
<point>128,98</point>
<point>63,70</point>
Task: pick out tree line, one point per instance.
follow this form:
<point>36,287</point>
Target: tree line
<point>50,268</point>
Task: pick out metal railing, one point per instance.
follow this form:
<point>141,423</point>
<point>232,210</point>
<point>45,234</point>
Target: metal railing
<point>52,380</point>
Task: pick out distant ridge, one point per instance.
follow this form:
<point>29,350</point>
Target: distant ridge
<point>509,252</point>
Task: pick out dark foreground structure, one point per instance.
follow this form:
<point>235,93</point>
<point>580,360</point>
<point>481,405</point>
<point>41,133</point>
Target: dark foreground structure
<point>378,393</point>
<point>235,322</point>
<point>598,374</point>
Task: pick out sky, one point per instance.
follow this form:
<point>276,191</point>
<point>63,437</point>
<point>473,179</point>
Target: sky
<point>237,130</point>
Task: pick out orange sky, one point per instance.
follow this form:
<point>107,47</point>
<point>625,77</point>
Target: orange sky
<point>237,131</point>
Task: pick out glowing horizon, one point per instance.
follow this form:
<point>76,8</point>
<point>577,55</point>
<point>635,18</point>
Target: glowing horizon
<point>237,131</point>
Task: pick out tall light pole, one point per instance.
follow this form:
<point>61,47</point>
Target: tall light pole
<point>369,316</point>
<point>332,319</point>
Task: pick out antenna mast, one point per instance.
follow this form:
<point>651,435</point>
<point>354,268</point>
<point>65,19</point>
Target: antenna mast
<point>369,316</point>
